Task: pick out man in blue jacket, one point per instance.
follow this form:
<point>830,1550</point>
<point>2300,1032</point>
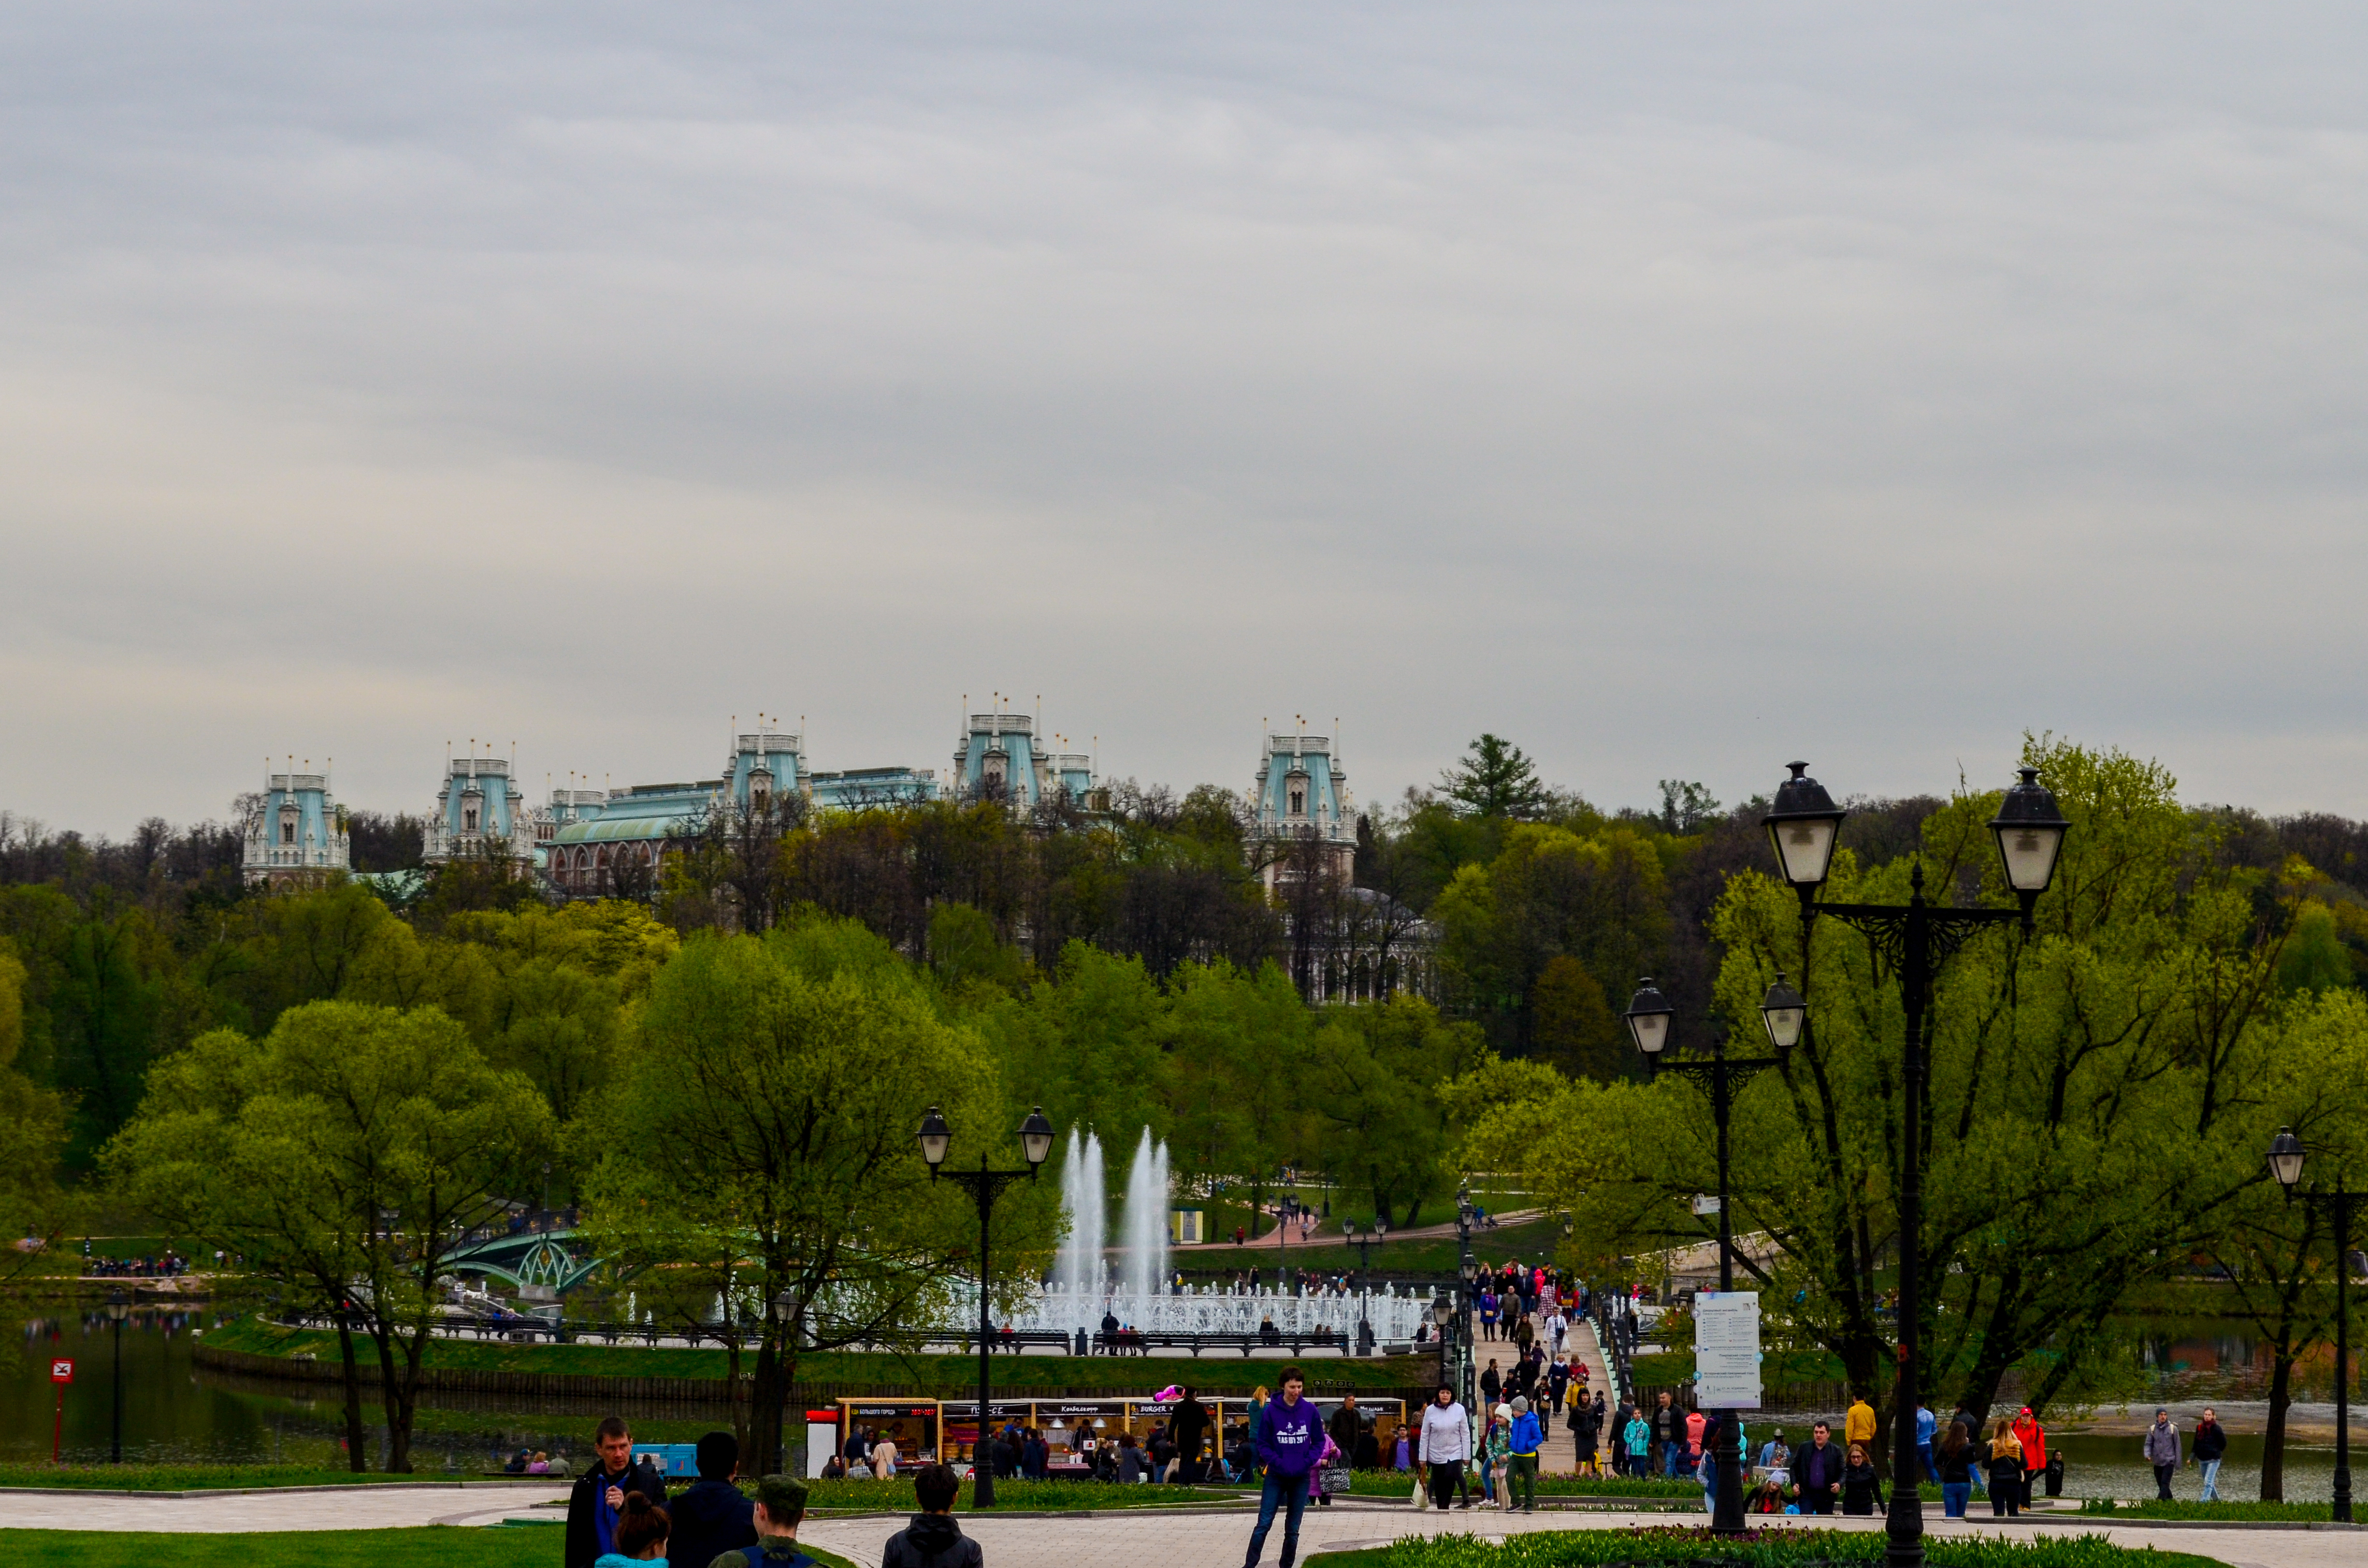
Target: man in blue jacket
<point>1523,1443</point>
<point>1288,1439</point>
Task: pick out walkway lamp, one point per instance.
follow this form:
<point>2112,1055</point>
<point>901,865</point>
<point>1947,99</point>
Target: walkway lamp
<point>1916,939</point>
<point>2285,1157</point>
<point>2030,829</point>
<point>1802,825</point>
<point>1648,1017</point>
<point>1035,1142</point>
<point>119,1306</point>
<point>1783,1011</point>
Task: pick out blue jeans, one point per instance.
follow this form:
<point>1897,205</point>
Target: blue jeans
<point>1924,1452</point>
<point>1292,1491</point>
<point>1953,1498</point>
<point>2211,1481</point>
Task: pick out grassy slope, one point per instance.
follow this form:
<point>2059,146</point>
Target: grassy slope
<point>950,1374</point>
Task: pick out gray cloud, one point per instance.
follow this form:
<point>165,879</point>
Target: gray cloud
<point>1675,389</point>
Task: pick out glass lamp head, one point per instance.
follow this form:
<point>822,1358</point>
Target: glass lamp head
<point>935,1135</point>
<point>1784,1012</point>
<point>1648,1017</point>
<point>2030,828</point>
<point>1035,1138</point>
<point>1802,823</point>
<point>2285,1158</point>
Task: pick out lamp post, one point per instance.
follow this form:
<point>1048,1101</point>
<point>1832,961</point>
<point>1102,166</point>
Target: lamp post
<point>1782,1012</point>
<point>118,1307</point>
<point>2285,1166</point>
<point>1915,940</point>
<point>985,1185</point>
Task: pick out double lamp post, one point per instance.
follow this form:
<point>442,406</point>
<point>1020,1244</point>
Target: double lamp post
<point>984,1185</point>
<point>1914,940</point>
<point>2285,1167</point>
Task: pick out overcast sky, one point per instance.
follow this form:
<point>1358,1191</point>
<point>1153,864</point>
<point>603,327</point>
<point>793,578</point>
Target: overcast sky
<point>1676,390</point>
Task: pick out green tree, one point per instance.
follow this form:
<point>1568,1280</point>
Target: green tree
<point>1495,779</point>
<point>763,1130</point>
<point>2087,1088</point>
<point>1374,1082</point>
<point>1572,1025</point>
<point>1232,1076</point>
<point>32,1135</point>
<point>350,1153</point>
<point>2315,958</point>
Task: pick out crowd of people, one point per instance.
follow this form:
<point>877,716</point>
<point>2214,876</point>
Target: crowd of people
<point>618,1515</point>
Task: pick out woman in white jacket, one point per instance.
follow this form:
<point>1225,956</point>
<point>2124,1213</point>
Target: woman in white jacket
<point>1447,1448</point>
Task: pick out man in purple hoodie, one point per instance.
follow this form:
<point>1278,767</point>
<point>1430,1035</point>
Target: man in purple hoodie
<point>1290,1439</point>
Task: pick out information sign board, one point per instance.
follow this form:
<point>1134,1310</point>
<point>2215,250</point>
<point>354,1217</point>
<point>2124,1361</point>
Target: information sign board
<point>1726,1349</point>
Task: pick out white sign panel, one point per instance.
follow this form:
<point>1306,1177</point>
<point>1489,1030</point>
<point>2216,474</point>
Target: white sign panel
<point>1726,1349</point>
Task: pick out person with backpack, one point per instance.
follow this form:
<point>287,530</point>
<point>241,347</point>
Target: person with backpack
<point>932,1540</point>
<point>778,1509</point>
<point>713,1519</point>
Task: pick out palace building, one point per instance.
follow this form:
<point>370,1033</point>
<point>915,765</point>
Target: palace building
<point>296,832</point>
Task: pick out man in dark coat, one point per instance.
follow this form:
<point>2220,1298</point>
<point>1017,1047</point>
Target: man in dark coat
<point>933,1539</point>
<point>713,1519</point>
<point>1190,1429</point>
<point>598,1495</point>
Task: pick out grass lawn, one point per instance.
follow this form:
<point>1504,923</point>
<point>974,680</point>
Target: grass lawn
<point>2182,1509</point>
<point>1698,1548</point>
<point>194,1477</point>
<point>532,1546</point>
<point>951,1376</point>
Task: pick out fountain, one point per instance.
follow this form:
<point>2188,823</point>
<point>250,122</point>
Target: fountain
<point>1145,1231</point>
<point>1083,1286</point>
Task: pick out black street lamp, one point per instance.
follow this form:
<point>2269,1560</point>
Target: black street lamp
<point>1915,940</point>
<point>1648,1017</point>
<point>985,1185</point>
<point>2285,1168</point>
<point>119,1306</point>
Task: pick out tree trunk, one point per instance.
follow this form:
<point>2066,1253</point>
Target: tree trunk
<point>767,1393</point>
<point>398,1395</point>
<point>2273,1440</point>
<point>357,1455</point>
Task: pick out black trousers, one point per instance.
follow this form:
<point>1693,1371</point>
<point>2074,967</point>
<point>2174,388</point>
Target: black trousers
<point>2162,1474</point>
<point>1447,1480</point>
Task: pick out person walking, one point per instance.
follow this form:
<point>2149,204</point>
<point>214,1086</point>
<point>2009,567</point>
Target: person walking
<point>2211,1447</point>
<point>1557,1326</point>
<point>1638,1436</point>
<point>1858,1423</point>
<point>933,1539</point>
<point>883,1459</point>
<point>1668,1430</point>
<point>1955,1463</point>
<point>1818,1472</point>
<point>1287,1438</point>
<point>1497,1449</point>
<point>1925,1423</point>
<point>712,1517</point>
<point>1862,1488</point>
<point>1583,1432</point>
<point>1489,1304</point>
<point>1346,1428</point>
<point>2034,1438</point>
<point>2006,1471</point>
<point>598,1499</point>
<point>2162,1452</point>
<point>1446,1447</point>
<point>1190,1432</point>
<point>1557,1385</point>
<point>1492,1383</point>
<point>1697,1427</point>
<point>1527,1440</point>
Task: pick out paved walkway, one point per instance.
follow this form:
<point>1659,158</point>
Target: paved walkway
<point>379,1508</point>
<point>1064,1542</point>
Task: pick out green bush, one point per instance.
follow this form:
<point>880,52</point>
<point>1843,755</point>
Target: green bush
<point>1773,1548</point>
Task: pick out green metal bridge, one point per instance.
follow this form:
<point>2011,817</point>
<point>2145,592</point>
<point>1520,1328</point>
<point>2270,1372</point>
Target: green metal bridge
<point>555,1260</point>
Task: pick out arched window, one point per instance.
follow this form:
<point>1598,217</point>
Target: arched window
<point>468,819</point>
<point>1299,802</point>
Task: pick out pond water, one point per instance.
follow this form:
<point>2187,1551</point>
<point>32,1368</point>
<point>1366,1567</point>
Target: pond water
<point>176,1411</point>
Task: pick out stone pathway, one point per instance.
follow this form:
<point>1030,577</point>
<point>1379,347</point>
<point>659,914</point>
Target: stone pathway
<point>1060,1542</point>
<point>378,1508</point>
